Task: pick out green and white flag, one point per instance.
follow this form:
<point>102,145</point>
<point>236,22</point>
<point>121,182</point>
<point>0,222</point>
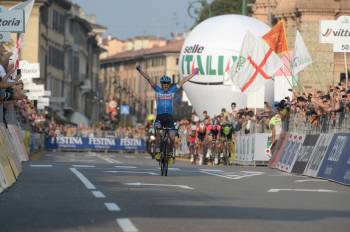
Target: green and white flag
<point>301,57</point>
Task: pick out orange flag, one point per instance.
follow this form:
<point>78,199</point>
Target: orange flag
<point>276,38</point>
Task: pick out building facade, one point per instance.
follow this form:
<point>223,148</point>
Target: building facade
<point>305,16</point>
<point>67,45</point>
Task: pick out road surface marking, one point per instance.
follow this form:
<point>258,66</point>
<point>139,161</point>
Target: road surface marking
<point>108,160</point>
<point>112,206</point>
<point>162,185</point>
<point>134,172</point>
<point>83,166</point>
<point>234,176</point>
<point>83,179</point>
<point>310,180</point>
<point>302,190</point>
<point>126,167</point>
<point>129,156</point>
<point>98,194</point>
<point>126,225</point>
<point>211,170</point>
<point>41,165</point>
<point>173,169</point>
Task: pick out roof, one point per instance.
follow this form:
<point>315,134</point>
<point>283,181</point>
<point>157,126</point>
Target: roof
<point>98,26</point>
<point>172,47</point>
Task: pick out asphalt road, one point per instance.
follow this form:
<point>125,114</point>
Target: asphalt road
<point>73,192</point>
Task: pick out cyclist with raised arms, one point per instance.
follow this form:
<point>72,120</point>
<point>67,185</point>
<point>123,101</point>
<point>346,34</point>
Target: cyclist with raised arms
<point>165,94</point>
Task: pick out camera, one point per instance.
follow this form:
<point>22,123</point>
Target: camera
<point>19,71</point>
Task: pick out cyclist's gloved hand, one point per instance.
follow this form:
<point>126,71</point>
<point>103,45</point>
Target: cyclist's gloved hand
<point>196,71</point>
<point>138,67</point>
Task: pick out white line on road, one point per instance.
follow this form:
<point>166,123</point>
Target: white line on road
<point>126,225</point>
<point>126,167</point>
<point>162,185</point>
<point>83,166</point>
<point>134,172</point>
<point>302,190</point>
<point>109,160</point>
<point>98,194</point>
<point>83,179</point>
<point>112,206</point>
<point>173,169</point>
<point>310,180</point>
<point>211,170</point>
<point>215,174</point>
<point>41,165</point>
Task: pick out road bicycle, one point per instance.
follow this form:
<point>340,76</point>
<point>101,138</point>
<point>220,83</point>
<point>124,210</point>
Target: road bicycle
<point>165,149</point>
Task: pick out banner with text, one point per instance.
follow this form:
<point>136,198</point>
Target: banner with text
<point>82,143</point>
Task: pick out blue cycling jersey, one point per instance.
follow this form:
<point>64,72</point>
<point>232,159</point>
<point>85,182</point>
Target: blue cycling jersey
<point>165,100</point>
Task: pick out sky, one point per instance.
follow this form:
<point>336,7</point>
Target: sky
<point>129,18</point>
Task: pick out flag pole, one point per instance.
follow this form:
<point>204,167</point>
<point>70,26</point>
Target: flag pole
<point>346,70</point>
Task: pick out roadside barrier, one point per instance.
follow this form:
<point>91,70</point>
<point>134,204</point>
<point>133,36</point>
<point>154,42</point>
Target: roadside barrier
<point>317,155</point>
<point>252,149</point>
<point>12,153</point>
<point>325,156</point>
<point>18,141</point>
<point>290,153</point>
<point>304,153</point>
<point>94,144</point>
<point>9,151</point>
<point>336,163</point>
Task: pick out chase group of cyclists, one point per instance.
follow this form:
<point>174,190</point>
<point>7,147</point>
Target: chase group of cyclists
<point>209,141</point>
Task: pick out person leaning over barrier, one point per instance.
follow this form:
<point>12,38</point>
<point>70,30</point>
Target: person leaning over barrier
<point>276,126</point>
<point>9,89</point>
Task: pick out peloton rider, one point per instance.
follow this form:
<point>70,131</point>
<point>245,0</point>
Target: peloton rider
<point>165,98</point>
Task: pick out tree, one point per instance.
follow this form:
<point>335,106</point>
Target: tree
<point>201,10</point>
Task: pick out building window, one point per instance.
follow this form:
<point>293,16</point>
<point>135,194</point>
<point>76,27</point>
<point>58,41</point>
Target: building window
<point>58,22</point>
<point>44,14</point>
<point>56,58</point>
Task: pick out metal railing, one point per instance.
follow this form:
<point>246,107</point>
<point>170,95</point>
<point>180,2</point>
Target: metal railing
<point>329,123</point>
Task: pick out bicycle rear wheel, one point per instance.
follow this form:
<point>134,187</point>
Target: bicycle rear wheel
<point>164,159</point>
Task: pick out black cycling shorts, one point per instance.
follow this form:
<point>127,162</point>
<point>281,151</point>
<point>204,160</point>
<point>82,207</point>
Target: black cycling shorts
<point>166,120</point>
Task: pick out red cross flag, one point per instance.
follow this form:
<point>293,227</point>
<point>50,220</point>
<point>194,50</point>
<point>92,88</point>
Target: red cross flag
<point>257,63</point>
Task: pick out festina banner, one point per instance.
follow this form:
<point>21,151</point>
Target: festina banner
<point>301,57</point>
<point>260,63</point>
<point>100,144</point>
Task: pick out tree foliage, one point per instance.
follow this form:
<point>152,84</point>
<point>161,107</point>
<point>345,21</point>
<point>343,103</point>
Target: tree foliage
<point>221,7</point>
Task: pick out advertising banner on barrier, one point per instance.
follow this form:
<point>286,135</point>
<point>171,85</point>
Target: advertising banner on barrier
<point>278,149</point>
<point>317,155</point>
<point>113,144</point>
<point>291,152</point>
<point>7,149</point>
<point>262,147</point>
<point>343,168</point>
<point>334,159</point>
<point>305,153</point>
<point>245,149</point>
<point>5,165</point>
